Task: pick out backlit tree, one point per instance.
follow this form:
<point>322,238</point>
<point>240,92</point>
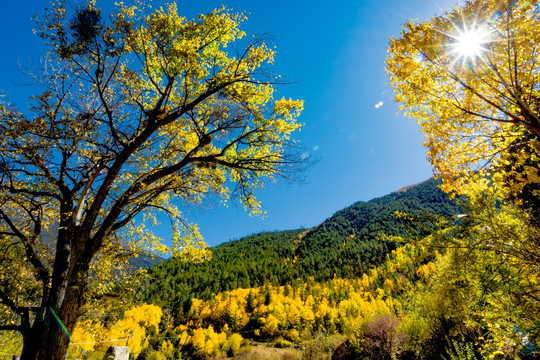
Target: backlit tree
<point>139,112</point>
<point>470,78</point>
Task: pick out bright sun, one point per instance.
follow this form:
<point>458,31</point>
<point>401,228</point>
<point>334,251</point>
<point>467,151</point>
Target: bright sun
<point>469,43</point>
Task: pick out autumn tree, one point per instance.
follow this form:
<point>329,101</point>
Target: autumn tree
<point>483,282</point>
<point>470,78</point>
<point>138,112</point>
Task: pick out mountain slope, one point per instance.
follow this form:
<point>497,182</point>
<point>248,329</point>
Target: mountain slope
<point>348,243</point>
<point>249,262</point>
<point>345,245</point>
<point>144,261</point>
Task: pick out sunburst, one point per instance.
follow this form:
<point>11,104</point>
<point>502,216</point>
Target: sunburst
<point>470,43</point>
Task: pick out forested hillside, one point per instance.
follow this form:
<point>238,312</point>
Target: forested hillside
<point>248,262</point>
<point>345,245</point>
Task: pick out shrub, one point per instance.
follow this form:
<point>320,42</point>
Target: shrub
<point>233,344</point>
<point>382,339</point>
<point>317,349</point>
<point>282,343</point>
<point>460,350</point>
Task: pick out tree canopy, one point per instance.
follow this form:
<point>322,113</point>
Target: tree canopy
<point>470,78</point>
<point>137,112</point>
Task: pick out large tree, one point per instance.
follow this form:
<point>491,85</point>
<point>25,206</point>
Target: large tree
<point>138,112</point>
<point>470,78</point>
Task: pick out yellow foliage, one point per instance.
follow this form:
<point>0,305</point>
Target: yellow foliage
<point>292,335</point>
<point>271,326</point>
<point>233,344</point>
<point>134,325</point>
<point>304,309</point>
<point>474,112</point>
<point>86,334</point>
<point>11,342</point>
<point>207,342</point>
<point>184,339</point>
<point>141,111</point>
<point>167,349</point>
<point>425,270</point>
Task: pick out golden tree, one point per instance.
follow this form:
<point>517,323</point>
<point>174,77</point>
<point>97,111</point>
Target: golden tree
<point>470,78</point>
<point>140,112</point>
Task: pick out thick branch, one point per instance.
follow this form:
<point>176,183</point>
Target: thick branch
<point>32,257</point>
<point>19,328</point>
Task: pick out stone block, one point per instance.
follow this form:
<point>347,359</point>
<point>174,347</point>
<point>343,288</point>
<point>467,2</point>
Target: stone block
<point>117,353</point>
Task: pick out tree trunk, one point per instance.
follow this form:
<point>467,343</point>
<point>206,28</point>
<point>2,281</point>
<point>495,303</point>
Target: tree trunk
<point>36,344</point>
<point>49,337</point>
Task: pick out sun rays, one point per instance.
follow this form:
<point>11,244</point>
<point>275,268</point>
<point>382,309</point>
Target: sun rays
<point>470,43</point>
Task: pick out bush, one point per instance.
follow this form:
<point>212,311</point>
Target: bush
<point>282,343</point>
<point>233,344</point>
<point>292,335</point>
<point>382,338</point>
<point>460,350</point>
<point>319,348</point>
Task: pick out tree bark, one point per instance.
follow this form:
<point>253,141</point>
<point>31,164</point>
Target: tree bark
<point>49,337</point>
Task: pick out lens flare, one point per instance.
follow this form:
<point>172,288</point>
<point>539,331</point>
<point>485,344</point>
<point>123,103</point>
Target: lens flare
<point>60,322</point>
<point>470,43</point>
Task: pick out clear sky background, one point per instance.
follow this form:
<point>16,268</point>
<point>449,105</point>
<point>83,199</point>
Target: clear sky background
<point>336,51</point>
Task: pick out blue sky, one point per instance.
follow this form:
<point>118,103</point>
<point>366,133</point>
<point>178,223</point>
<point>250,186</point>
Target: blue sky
<point>336,52</point>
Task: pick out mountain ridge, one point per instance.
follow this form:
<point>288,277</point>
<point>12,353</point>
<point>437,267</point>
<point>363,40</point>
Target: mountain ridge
<point>405,188</point>
<point>345,245</point>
